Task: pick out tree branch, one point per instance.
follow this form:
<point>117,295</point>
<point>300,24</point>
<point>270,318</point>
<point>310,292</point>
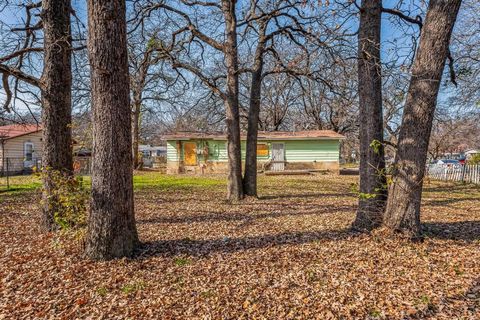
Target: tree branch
<point>417,20</point>
<point>20,75</point>
<point>8,92</point>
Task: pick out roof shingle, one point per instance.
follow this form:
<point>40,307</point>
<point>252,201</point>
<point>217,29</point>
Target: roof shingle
<point>16,130</point>
<point>262,135</point>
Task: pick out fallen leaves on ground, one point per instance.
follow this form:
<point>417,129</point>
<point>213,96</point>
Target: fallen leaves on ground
<point>287,255</point>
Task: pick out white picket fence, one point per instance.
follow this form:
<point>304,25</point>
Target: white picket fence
<point>463,173</point>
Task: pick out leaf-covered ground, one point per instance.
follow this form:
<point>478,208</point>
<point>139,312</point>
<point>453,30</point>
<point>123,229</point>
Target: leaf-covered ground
<point>287,255</point>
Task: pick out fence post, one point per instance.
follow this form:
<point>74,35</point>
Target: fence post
<point>463,172</point>
<point>8,180</point>
<point>477,174</point>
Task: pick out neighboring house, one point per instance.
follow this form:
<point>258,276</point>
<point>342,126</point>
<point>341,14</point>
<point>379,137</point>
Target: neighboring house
<point>276,151</point>
<point>20,147</point>
<point>152,151</point>
<point>152,156</point>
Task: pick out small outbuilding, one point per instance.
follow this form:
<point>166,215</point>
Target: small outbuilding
<point>197,152</point>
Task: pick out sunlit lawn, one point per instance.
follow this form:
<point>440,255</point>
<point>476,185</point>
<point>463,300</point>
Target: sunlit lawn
<point>27,183</point>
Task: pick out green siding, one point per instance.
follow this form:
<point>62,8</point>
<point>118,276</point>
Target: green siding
<point>217,150</point>
<point>172,154</point>
<point>295,150</point>
<point>311,150</point>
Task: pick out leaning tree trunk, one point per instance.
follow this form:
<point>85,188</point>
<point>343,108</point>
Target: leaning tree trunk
<point>250,176</point>
<point>403,207</point>
<point>111,226</point>
<point>235,187</point>
<point>56,93</point>
<point>136,132</point>
<point>373,187</point>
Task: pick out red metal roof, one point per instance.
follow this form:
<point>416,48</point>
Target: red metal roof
<point>16,130</point>
<point>262,135</point>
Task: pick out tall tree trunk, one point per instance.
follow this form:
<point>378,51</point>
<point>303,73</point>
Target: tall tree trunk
<point>111,227</point>
<point>403,207</point>
<point>235,187</point>
<point>250,176</point>
<point>56,100</point>
<point>139,81</point>
<point>373,194</point>
<point>136,131</point>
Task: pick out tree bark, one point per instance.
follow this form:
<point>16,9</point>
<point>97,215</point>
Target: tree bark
<point>403,207</point>
<point>56,91</point>
<point>234,187</point>
<point>373,187</point>
<point>250,176</point>
<point>111,227</point>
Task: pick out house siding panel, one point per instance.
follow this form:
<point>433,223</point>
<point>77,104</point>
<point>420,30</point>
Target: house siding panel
<point>295,150</point>
<point>309,151</point>
<point>172,154</point>
<point>217,151</point>
<point>14,150</point>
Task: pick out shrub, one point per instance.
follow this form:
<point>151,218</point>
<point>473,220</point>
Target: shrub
<point>475,159</point>
<point>68,199</point>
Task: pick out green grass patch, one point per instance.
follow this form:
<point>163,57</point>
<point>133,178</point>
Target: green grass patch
<point>19,184</point>
<point>102,291</point>
<point>181,262</point>
<point>153,180</point>
<point>132,287</point>
<point>175,182</point>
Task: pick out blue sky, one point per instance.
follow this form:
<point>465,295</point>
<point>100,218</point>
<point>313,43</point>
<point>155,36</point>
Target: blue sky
<point>390,31</point>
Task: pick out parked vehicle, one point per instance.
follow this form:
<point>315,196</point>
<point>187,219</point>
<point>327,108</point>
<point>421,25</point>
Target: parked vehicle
<point>448,162</point>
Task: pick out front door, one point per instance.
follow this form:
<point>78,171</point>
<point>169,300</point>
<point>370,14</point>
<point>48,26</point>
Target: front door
<point>278,156</point>
<point>190,154</point>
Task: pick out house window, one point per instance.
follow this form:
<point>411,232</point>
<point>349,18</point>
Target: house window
<point>28,151</point>
<point>262,150</point>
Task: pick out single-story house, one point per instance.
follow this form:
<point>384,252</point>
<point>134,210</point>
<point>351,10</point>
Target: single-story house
<point>277,151</point>
<point>20,147</point>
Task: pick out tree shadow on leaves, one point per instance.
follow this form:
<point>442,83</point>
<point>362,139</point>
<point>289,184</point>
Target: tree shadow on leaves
<point>229,216</point>
<point>468,301</point>
<point>307,195</point>
<point>446,202</point>
<point>204,247</point>
<point>453,187</point>
<point>462,230</point>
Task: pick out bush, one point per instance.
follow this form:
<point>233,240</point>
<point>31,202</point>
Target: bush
<point>475,159</point>
<point>68,199</point>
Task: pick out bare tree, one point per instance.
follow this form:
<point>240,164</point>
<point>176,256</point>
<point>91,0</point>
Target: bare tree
<point>280,26</point>
<point>144,55</point>
<point>403,206</point>
<point>235,187</point>
<point>55,86</point>
<point>453,134</point>
<point>283,18</point>
<point>111,225</point>
<point>281,94</point>
<point>225,84</point>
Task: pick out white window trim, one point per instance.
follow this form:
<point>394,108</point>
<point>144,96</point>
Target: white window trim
<point>25,149</point>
